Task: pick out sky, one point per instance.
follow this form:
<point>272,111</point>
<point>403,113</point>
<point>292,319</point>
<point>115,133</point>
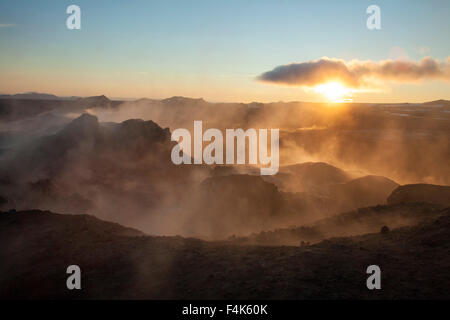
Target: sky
<point>215,49</point>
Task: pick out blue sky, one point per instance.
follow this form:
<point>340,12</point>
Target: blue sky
<point>213,49</point>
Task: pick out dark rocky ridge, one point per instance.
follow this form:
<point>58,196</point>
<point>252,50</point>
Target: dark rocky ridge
<point>117,263</point>
<point>352,223</point>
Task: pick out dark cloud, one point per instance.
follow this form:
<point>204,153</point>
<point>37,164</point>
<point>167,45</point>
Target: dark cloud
<point>356,73</point>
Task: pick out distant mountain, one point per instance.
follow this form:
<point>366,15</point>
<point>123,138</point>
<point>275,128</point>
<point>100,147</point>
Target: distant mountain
<point>30,96</point>
<point>22,106</point>
<point>94,101</point>
<point>441,102</point>
<point>177,100</point>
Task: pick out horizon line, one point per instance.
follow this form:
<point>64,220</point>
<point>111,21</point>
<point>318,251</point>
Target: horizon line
<point>69,97</point>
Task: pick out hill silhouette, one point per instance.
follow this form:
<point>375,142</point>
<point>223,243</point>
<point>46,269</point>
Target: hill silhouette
<point>117,263</point>
<point>412,193</point>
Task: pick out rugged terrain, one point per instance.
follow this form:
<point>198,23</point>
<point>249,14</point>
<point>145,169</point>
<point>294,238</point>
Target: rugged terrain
<point>346,174</point>
<point>36,248</point>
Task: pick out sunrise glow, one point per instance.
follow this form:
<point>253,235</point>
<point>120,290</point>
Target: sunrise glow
<point>334,92</point>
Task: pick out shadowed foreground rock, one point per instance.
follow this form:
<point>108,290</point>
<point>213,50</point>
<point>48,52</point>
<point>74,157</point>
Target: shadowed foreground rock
<point>116,262</point>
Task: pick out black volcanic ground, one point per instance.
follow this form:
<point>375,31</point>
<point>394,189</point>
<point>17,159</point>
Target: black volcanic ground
<point>119,263</point>
<point>89,181</point>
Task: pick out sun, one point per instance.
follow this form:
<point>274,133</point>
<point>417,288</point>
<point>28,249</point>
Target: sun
<point>334,92</point>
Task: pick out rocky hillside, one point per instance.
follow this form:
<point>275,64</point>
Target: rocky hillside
<point>36,248</point>
<point>421,193</point>
<point>352,223</point>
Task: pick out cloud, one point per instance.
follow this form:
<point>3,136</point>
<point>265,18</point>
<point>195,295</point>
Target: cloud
<point>6,25</point>
<point>357,74</point>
